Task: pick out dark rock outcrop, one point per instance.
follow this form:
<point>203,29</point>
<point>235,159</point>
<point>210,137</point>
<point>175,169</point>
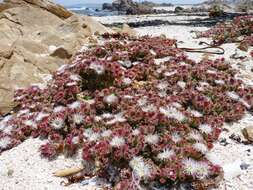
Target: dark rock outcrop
<point>107,6</point>
<point>179,9</point>
<point>130,7</point>
<point>123,5</point>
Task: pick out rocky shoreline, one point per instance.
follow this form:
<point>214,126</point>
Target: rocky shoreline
<point>130,7</point>
<point>195,22</point>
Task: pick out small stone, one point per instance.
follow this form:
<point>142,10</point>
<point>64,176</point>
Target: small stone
<point>225,129</point>
<point>163,36</point>
<point>10,172</point>
<point>236,138</point>
<point>248,133</point>
<point>243,47</point>
<point>244,166</point>
<point>223,142</point>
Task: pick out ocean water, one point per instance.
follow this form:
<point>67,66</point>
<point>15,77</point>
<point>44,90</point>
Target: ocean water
<point>90,10</point>
<point>95,9</point>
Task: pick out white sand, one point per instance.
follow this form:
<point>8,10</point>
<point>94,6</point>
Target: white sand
<point>231,156</point>
<point>140,18</point>
<point>31,172</point>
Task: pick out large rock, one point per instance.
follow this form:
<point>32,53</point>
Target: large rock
<point>130,7</point>
<point>36,38</point>
<point>107,6</point>
<point>123,5</point>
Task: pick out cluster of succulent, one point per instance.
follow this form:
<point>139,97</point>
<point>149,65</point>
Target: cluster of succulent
<point>143,113</point>
<point>240,29</point>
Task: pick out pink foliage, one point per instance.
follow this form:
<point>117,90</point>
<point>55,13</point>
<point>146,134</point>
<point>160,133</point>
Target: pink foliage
<point>136,121</point>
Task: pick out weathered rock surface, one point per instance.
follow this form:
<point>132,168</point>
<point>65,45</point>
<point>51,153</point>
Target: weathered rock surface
<point>179,9</point>
<point>43,4</point>
<point>37,37</point>
<point>131,8</point>
<point>248,133</point>
<point>125,29</point>
<point>107,6</point>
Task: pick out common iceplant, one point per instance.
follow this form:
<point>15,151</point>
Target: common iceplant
<point>138,126</point>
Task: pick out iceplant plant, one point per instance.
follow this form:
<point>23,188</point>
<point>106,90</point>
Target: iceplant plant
<point>147,100</point>
<point>172,113</point>
<point>197,169</point>
<point>117,118</point>
<point>140,168</point>
<point>166,154</point>
<point>205,128</point>
<point>99,69</point>
<point>78,118</point>
<point>151,139</point>
<point>117,141</point>
<point>57,123</point>
<point>111,99</point>
<point>5,142</point>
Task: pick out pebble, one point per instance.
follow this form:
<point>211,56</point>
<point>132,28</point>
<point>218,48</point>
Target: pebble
<point>248,133</point>
<point>235,137</point>
<point>10,172</point>
<point>223,142</point>
<point>244,166</point>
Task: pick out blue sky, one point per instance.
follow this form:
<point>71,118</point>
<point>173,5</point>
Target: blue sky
<point>71,2</point>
